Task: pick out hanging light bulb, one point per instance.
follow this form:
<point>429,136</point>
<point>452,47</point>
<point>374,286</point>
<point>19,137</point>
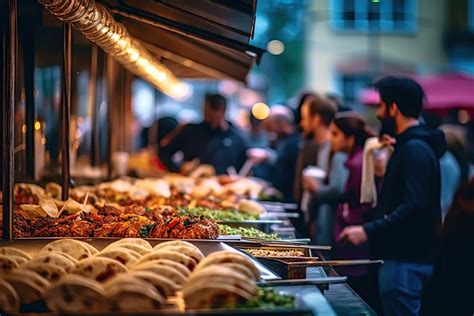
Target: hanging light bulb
<point>98,25</point>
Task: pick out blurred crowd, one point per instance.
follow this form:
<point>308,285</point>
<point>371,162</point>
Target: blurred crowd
<point>401,194</point>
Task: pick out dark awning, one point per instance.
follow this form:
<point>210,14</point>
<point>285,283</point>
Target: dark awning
<point>195,39</point>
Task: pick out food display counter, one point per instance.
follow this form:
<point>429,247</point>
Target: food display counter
<point>168,245</point>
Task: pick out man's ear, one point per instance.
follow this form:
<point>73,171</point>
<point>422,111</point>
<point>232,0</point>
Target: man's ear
<point>393,109</point>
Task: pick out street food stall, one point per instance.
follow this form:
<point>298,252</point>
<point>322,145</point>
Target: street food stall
<point>168,244</point>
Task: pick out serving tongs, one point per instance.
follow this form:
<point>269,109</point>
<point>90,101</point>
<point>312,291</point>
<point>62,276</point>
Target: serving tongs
<point>308,281</point>
<point>286,244</point>
<point>314,262</point>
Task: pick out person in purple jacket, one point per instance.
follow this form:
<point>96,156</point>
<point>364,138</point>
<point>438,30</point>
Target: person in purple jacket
<point>349,132</point>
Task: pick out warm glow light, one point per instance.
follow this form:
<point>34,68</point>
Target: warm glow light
<point>99,26</point>
<point>37,125</point>
<point>260,111</point>
<point>179,91</point>
<point>276,47</point>
<point>23,129</point>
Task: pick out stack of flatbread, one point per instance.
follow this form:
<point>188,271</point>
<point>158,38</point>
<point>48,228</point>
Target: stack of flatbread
<point>72,276</point>
<point>223,278</point>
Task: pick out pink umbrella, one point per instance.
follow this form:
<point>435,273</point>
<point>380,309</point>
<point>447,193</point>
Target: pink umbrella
<point>443,92</point>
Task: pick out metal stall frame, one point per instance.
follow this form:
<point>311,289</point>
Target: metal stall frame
<point>10,50</point>
<point>113,84</point>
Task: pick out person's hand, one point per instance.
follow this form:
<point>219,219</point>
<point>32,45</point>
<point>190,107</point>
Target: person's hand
<point>387,140</point>
<point>311,185</point>
<point>188,166</point>
<point>257,155</point>
<point>354,235</point>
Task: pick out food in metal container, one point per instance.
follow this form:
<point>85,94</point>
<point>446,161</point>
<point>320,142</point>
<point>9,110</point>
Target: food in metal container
<point>246,232</point>
<point>275,253</point>
<point>100,282</point>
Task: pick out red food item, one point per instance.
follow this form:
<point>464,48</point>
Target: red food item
<point>105,230</point>
<point>82,228</point>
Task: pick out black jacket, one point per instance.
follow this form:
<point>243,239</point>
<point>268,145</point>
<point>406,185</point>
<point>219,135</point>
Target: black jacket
<point>283,174</point>
<point>408,217</point>
<point>216,147</point>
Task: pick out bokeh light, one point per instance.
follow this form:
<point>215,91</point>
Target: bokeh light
<point>276,47</point>
<point>260,111</point>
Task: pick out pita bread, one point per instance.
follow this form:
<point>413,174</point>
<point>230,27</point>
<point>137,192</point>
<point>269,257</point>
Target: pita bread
<point>173,243</point>
<point>126,279</point>
<point>186,250</point>
<point>91,248</point>
<point>140,250</point>
<point>135,241</point>
<point>163,270</point>
<point>19,260</point>
<point>133,298</point>
<point>218,270</point>
<point>99,269</point>
<point>75,261</point>
<point>247,287</point>
<point>9,299</point>
<point>226,275</point>
<point>186,261</point>
<point>54,258</point>
<point>72,247</point>
<point>221,257</point>
<point>240,269</point>
<point>29,285</point>
<point>165,286</point>
<point>50,272</point>
<point>11,251</point>
<point>122,255</point>
<point>75,294</point>
<point>8,263</point>
<point>149,265</point>
<point>208,295</point>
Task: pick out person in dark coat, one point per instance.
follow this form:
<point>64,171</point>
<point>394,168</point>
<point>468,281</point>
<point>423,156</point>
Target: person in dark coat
<point>214,141</point>
<point>405,233</point>
<point>349,132</point>
<point>278,162</point>
<point>449,290</point>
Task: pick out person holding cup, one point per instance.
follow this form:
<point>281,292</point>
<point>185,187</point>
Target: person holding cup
<point>349,132</point>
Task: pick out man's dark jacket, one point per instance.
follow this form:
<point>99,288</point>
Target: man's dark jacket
<point>408,215</point>
<point>216,147</point>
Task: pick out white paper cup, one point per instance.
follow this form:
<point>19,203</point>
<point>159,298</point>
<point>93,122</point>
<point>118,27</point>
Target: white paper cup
<point>120,163</point>
<point>315,173</point>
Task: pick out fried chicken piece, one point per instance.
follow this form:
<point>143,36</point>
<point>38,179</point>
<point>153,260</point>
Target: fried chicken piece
<point>105,230</point>
<point>82,228</point>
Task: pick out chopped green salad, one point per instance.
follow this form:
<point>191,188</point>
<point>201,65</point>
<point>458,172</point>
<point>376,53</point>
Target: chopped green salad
<point>269,298</point>
<point>246,232</point>
<point>219,215</point>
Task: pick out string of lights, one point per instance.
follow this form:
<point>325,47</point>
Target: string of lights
<point>98,25</point>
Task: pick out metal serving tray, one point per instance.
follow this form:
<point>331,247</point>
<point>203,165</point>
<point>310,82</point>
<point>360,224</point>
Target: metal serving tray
<point>207,247</point>
<point>32,246</point>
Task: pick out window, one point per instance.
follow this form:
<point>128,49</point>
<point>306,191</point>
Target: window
<point>351,85</point>
<point>374,15</point>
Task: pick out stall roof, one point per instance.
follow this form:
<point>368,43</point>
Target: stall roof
<point>195,39</point>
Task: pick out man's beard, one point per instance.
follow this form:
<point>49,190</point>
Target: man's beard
<point>388,126</point>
